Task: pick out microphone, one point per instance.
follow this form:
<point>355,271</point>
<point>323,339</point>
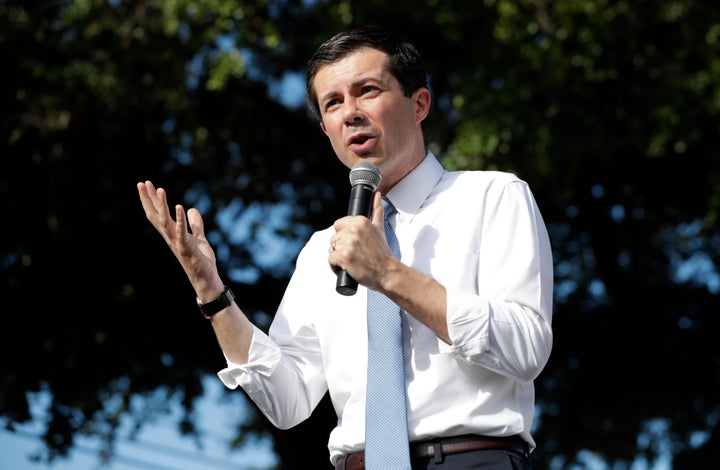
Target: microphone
<point>364,179</point>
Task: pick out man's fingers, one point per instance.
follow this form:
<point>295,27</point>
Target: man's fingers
<point>180,222</point>
<point>154,202</point>
<point>146,192</point>
<point>378,213</point>
<point>197,227</point>
<point>165,220</point>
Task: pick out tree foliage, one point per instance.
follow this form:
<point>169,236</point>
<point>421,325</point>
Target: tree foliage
<point>609,109</point>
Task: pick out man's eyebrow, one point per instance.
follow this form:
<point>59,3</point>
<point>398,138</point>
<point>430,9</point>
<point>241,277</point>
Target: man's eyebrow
<point>357,83</point>
<point>328,95</point>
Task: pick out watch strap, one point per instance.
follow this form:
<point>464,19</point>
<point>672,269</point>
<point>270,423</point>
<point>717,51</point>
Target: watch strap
<point>214,306</point>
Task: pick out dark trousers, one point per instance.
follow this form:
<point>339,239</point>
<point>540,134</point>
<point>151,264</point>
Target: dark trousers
<point>476,459</point>
<point>466,452</point>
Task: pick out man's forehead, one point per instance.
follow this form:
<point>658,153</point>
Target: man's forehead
<point>361,65</point>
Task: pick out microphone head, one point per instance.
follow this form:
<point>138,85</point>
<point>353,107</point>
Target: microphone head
<point>365,173</point>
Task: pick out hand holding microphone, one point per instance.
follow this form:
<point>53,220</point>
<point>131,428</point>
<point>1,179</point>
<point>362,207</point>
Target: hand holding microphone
<point>364,180</point>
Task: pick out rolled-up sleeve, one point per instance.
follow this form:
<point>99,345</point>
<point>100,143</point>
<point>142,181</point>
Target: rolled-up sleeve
<point>273,384</point>
<point>505,325</point>
<point>263,358</point>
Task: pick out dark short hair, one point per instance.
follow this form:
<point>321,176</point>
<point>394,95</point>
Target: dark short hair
<point>404,61</point>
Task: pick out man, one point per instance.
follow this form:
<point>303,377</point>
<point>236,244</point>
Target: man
<point>474,280</point>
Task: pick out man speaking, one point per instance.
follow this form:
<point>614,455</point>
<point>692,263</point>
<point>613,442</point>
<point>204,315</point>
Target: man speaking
<point>430,361</point>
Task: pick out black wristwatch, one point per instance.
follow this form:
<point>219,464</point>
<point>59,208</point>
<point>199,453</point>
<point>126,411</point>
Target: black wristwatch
<point>214,306</point>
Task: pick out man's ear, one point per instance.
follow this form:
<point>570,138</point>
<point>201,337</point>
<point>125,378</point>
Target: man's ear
<point>322,126</point>
<point>422,104</point>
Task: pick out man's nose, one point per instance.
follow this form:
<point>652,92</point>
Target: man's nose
<point>352,112</point>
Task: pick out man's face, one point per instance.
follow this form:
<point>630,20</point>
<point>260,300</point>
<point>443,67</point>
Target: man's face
<point>366,117</point>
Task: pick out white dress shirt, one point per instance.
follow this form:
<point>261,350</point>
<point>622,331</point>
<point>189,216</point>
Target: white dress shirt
<point>478,233</point>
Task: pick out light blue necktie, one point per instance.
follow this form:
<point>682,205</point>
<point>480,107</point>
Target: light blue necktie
<point>386,430</point>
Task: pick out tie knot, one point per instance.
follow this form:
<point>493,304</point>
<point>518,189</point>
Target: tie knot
<point>388,207</point>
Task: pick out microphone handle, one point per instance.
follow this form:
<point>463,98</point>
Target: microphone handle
<point>345,285</point>
<point>361,196</point>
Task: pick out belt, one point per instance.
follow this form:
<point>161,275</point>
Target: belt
<point>445,446</point>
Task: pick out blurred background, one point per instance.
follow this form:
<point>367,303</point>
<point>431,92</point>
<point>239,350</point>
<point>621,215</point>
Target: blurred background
<point>609,109</point>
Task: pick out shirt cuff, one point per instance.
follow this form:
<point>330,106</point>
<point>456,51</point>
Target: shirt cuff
<point>263,358</point>
<point>467,322</point>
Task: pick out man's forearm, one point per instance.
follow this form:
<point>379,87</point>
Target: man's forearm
<point>234,333</point>
<point>421,296</point>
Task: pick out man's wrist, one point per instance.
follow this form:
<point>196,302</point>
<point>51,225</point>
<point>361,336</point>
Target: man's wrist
<point>221,302</point>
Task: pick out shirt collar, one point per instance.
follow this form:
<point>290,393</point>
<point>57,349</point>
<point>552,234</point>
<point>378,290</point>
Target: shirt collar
<point>410,192</point>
